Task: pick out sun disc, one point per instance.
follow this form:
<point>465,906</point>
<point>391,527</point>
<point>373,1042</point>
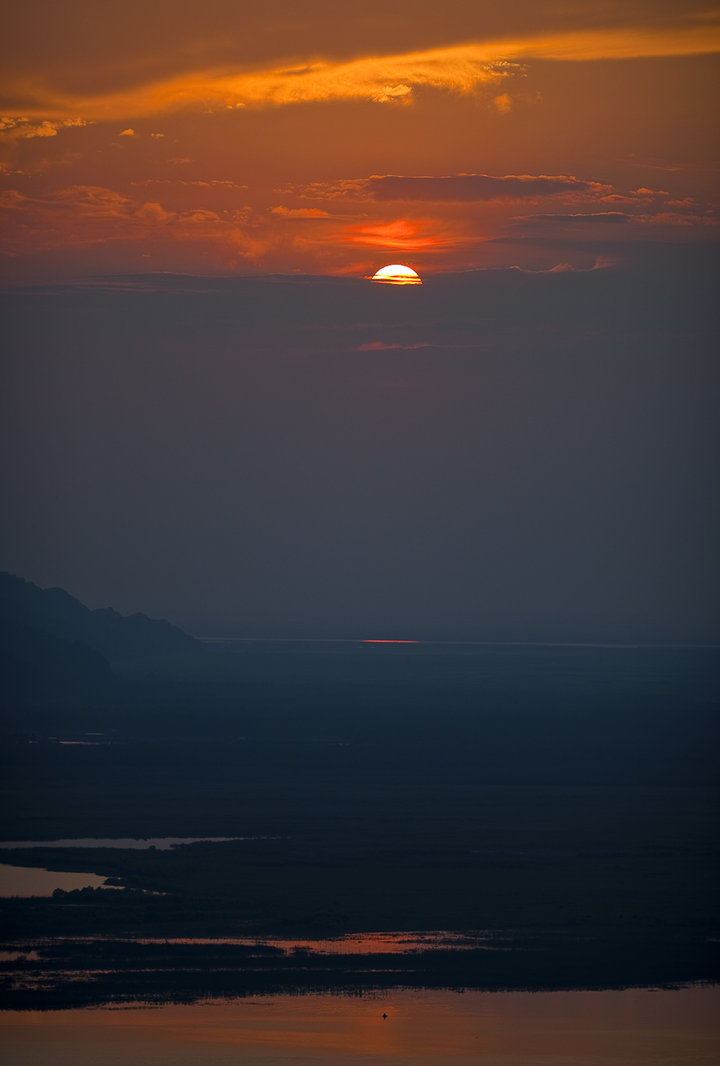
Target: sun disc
<point>397,274</point>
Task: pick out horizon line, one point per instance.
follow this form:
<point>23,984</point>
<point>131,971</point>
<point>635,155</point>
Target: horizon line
<point>469,643</point>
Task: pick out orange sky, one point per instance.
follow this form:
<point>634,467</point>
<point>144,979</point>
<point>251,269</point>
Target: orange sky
<point>218,139</point>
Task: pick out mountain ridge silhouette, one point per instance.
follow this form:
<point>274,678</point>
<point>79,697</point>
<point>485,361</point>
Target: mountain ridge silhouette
<point>50,638</point>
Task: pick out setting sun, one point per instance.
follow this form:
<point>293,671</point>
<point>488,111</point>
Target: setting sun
<point>396,274</point>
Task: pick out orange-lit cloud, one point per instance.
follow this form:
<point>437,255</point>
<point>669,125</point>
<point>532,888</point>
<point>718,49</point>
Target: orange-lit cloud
<point>457,188</point>
<point>478,187</point>
<point>670,218</point>
<point>21,128</point>
<point>307,213</point>
<point>82,216</point>
<point>214,183</point>
<point>94,200</point>
<point>380,78</point>
<point>693,38</point>
<point>640,196</point>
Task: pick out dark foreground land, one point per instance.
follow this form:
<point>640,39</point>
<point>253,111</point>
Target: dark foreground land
<point>561,800</point>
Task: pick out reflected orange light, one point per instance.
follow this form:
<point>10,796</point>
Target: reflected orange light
<point>399,1027</point>
<point>389,642</point>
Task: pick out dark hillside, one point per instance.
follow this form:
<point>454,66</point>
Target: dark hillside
<point>54,612</point>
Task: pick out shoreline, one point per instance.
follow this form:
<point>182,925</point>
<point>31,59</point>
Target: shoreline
<point>58,974</point>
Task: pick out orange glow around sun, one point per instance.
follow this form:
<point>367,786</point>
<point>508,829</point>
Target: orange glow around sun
<point>402,235</point>
<point>355,137</point>
<point>396,274</point>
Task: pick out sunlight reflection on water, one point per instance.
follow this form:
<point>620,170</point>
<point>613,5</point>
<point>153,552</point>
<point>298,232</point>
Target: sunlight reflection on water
<point>350,944</point>
<point>635,1027</point>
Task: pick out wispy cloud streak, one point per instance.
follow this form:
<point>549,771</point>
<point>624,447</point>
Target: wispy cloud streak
<point>384,79</point>
<point>478,187</point>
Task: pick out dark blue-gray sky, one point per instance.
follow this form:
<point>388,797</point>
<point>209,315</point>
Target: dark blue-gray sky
<point>496,454</point>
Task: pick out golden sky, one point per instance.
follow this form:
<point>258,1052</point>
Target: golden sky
<point>304,137</point>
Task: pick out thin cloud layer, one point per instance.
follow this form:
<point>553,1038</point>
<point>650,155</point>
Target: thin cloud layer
<point>467,188</point>
<point>613,217</point>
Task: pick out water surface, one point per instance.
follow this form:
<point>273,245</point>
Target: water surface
<point>635,1027</point>
<point>126,843</point>
<point>349,944</point>
<point>33,881</point>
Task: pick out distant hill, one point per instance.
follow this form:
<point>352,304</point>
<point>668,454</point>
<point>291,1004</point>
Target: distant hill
<point>38,665</point>
<point>50,629</point>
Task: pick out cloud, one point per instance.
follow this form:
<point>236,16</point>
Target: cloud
<point>612,217</point>
<point>466,188</point>
<point>662,218</point>
<point>19,127</point>
<point>78,202</point>
<point>670,218</point>
<point>381,79</point>
<point>384,79</point>
<point>214,183</point>
<point>455,188</point>
<point>639,42</point>
<point>13,200</point>
<point>642,192</point>
<point>345,188</point>
<point>154,213</point>
<point>643,249</point>
<point>127,133</point>
<point>78,220</point>
<point>635,196</point>
<point>306,213</point>
<point>96,200</point>
<point>385,346</point>
<point>601,263</point>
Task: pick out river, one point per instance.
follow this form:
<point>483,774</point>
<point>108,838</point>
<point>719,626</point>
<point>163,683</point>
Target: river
<point>633,1027</point>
